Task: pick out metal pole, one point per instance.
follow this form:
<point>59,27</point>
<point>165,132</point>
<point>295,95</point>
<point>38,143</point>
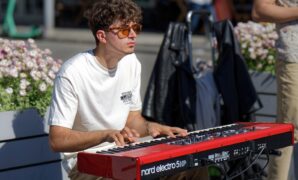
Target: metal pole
<point>204,15</point>
<point>49,17</point>
<point>188,20</point>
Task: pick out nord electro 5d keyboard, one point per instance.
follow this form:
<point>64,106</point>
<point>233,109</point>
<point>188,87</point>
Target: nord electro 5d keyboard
<point>165,156</point>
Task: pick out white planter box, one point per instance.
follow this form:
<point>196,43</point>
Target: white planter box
<point>20,124</point>
<point>24,148</point>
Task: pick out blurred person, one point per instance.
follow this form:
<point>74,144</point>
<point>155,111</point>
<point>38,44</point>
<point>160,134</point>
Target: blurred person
<point>96,96</point>
<point>168,11</point>
<point>198,5</point>
<point>83,6</point>
<point>285,14</point>
<point>224,10</point>
<point>183,10</point>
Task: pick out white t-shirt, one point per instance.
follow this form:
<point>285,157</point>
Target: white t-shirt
<point>87,96</point>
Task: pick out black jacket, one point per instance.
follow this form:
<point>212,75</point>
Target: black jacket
<point>232,77</point>
<point>171,93</point>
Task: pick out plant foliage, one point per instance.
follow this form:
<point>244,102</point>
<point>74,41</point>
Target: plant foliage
<point>26,75</point>
<point>257,42</point>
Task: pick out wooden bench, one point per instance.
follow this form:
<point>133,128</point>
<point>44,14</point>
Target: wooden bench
<point>24,149</point>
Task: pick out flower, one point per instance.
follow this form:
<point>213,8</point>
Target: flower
<point>257,42</point>
<point>26,75</point>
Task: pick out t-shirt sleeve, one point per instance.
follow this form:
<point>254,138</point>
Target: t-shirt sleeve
<point>136,95</point>
<point>64,103</point>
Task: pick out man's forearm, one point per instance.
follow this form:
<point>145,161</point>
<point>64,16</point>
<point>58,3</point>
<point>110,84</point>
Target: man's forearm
<point>268,11</point>
<point>67,140</point>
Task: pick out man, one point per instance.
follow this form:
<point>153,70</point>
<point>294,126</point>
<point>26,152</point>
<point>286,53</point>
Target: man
<point>96,97</point>
<point>285,14</point>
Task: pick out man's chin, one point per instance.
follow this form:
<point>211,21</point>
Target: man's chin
<point>130,51</point>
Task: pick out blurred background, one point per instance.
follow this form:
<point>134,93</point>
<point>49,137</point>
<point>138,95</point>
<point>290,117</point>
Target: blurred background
<point>157,13</point>
<point>65,32</point>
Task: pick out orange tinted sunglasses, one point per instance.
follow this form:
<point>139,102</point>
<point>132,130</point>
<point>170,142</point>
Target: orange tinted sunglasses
<point>123,31</point>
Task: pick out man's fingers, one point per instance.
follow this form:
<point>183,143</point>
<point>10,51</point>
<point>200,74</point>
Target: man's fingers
<point>135,133</point>
<point>134,136</point>
<point>154,133</point>
<point>126,132</point>
<point>169,131</point>
<point>171,134</point>
<point>119,139</point>
<point>181,132</point>
<point>129,133</point>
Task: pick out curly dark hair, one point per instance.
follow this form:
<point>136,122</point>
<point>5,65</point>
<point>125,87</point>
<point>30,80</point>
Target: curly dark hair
<point>102,13</point>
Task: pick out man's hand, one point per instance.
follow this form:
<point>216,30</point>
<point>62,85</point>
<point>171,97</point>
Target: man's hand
<point>126,135</point>
<point>155,129</point>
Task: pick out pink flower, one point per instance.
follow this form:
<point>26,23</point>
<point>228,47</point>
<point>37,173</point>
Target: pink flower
<point>257,42</point>
<point>28,69</point>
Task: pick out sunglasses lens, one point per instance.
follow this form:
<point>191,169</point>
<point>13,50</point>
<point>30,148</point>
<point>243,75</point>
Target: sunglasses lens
<point>137,28</point>
<point>123,33</point>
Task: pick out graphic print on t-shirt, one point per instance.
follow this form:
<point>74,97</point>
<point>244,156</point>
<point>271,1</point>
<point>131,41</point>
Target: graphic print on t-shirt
<point>126,97</point>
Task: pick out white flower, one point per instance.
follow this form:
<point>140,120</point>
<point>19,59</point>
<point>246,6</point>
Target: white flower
<point>259,66</point>
<point>24,83</point>
<point>49,81</point>
<point>33,53</point>
<point>35,75</point>
<point>23,92</point>
<point>13,72</point>
<point>51,74</point>
<point>23,75</point>
<point>252,55</point>
<point>28,69</point>
<point>31,41</point>
<point>244,45</point>
<point>270,57</point>
<point>42,87</point>
<point>9,90</point>
<point>257,43</point>
<point>47,51</point>
<point>29,64</point>
<point>55,68</point>
<point>23,86</point>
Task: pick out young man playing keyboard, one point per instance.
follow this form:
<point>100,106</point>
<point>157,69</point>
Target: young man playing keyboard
<point>96,97</point>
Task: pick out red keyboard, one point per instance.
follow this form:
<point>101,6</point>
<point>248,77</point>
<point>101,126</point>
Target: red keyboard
<point>165,156</point>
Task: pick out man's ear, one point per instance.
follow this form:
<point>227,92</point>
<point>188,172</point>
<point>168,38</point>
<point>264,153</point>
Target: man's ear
<point>101,36</point>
